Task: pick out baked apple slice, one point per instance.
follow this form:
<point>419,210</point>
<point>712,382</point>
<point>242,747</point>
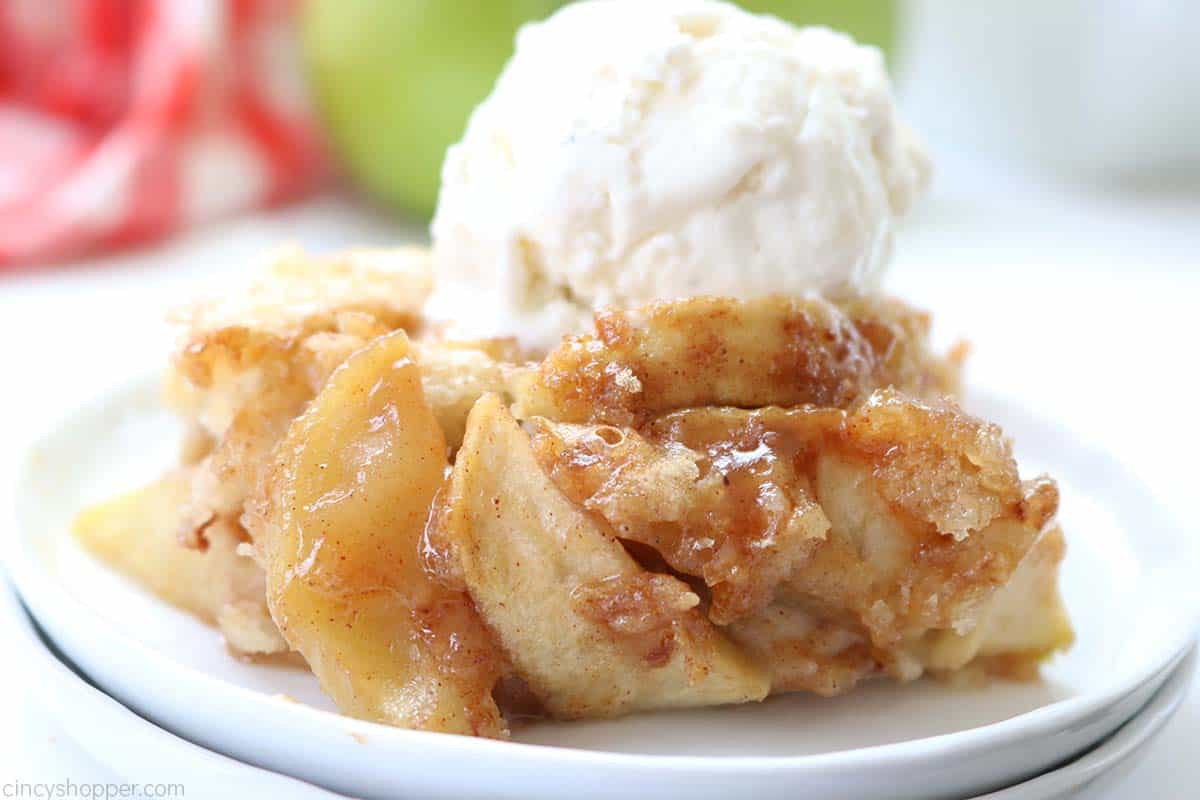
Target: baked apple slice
<point>719,351</point>
<point>591,632</point>
<point>136,533</point>
<point>338,526</point>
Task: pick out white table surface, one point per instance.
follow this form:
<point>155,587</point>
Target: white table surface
<point>1086,306</point>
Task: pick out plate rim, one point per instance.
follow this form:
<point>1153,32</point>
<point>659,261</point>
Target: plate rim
<point>1114,752</point>
<point>34,585</point>
<point>64,672</point>
<point>1119,748</point>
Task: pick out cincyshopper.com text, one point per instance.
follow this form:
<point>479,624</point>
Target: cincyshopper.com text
<point>70,790</point>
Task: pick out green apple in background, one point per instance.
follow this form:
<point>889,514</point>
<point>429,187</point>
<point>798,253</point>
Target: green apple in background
<point>395,80</point>
<point>868,21</point>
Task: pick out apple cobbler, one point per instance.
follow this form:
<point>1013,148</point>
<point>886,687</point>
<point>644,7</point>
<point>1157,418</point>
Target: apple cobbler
<point>699,502</point>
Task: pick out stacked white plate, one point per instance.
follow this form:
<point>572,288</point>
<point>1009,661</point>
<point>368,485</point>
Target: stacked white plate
<point>1128,584</point>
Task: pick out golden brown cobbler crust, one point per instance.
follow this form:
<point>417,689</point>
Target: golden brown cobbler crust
<point>803,507</point>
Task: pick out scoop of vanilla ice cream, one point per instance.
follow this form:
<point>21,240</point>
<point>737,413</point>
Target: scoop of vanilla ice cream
<point>635,150</point>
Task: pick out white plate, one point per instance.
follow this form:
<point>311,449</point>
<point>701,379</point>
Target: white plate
<point>140,751</point>
<point>1128,582</point>
<point>134,749</point>
<point>1115,758</point>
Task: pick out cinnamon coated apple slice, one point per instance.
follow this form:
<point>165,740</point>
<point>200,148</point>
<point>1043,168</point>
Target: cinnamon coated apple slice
<point>338,525</point>
<point>589,630</point>
<point>137,533</point>
<point>719,351</point>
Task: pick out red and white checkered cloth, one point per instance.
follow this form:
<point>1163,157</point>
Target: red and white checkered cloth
<point>124,120</point>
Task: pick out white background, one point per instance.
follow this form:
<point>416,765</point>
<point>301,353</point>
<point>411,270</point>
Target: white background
<point>1084,304</point>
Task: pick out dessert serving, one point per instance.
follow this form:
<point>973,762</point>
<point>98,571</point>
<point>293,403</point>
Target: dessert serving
<point>638,431</point>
